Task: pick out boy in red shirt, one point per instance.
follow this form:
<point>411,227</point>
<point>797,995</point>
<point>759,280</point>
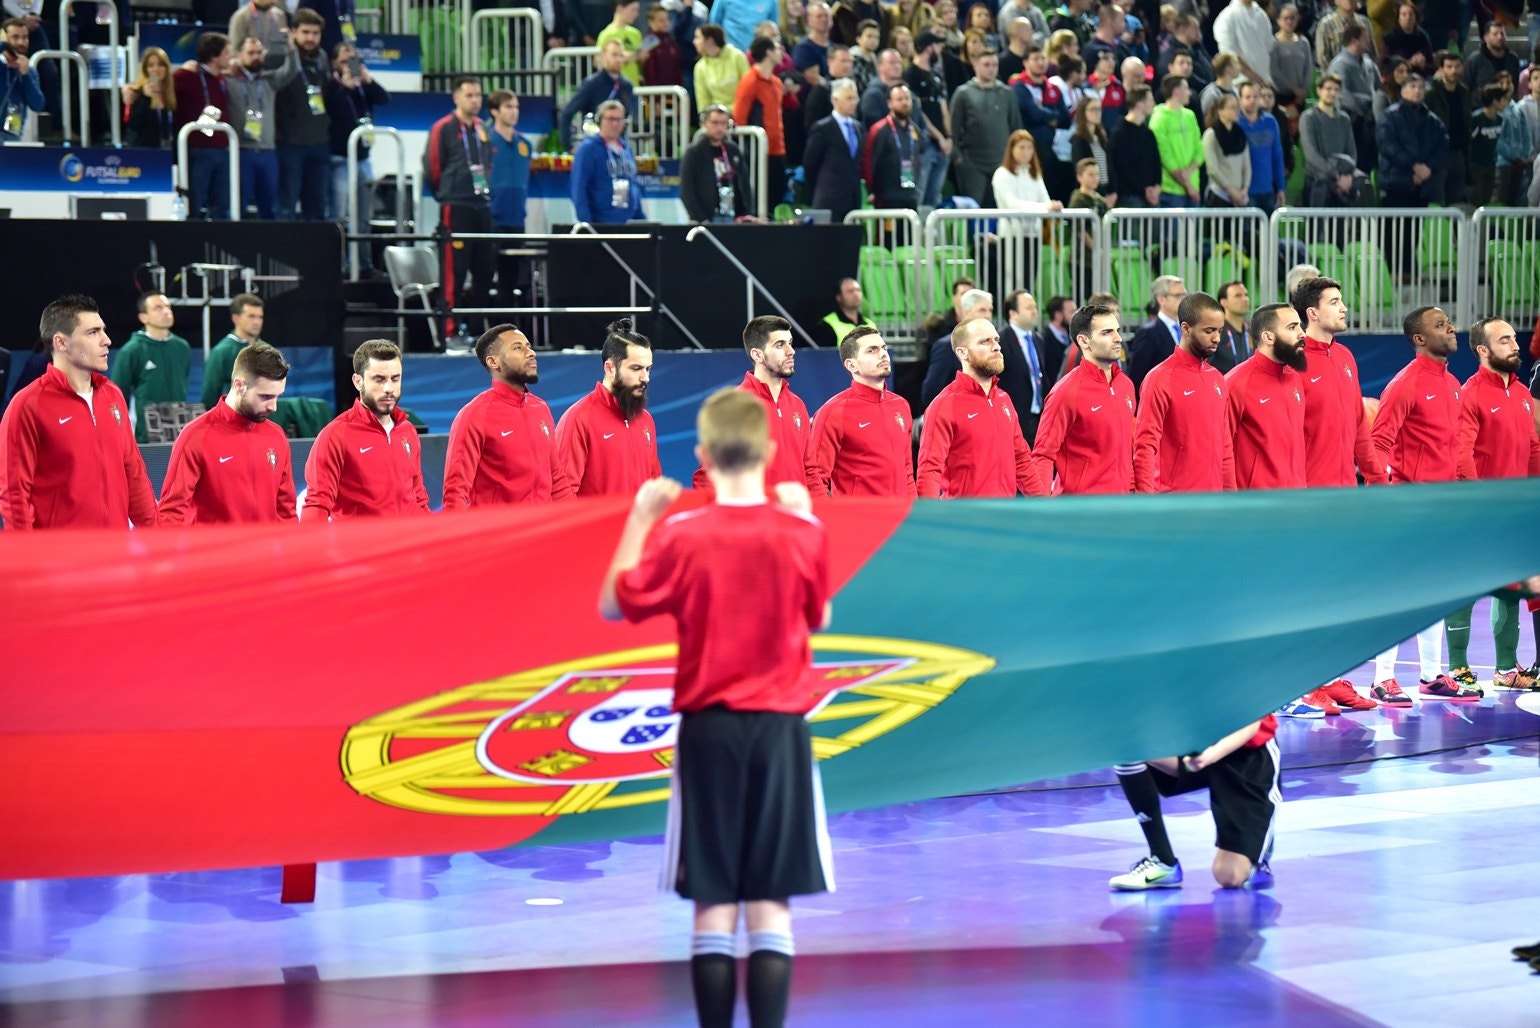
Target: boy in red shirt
<point>743,688</point>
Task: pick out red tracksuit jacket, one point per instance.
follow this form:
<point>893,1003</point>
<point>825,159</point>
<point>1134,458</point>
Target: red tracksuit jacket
<point>861,445</point>
<point>227,469</point>
<point>603,453</point>
<point>1086,432</point>
<point>502,449</point>
<point>1417,431</point>
<point>1497,429</point>
<point>972,445</point>
<point>1180,442</point>
<point>356,471</point>
<point>1336,432</point>
<point>64,464</point>
<point>1265,416</point>
<point>790,427</point>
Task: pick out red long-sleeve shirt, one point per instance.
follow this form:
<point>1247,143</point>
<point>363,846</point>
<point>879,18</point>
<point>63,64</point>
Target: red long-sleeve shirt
<point>605,454</point>
<point>972,445</point>
<point>754,90</point>
<point>1086,432</point>
<point>1417,430</point>
<point>1497,429</point>
<point>356,470</point>
<point>790,427</point>
<point>1336,431</point>
<point>861,445</point>
<point>502,449</point>
<point>227,469</point>
<point>67,463</point>
<point>1180,441</point>
<point>1265,416</point>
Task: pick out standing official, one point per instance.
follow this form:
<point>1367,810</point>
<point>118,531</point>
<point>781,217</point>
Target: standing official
<point>607,441</point>
<point>368,461</point>
<point>1336,432</point>
<point>861,437</point>
<point>457,166</point>
<point>152,366</point>
<point>246,317</point>
<point>232,465</point>
<point>971,444</point>
<point>67,453</point>
<point>1417,433</point>
<point>767,339</point>
<point>1023,378</point>
<point>1180,442</point>
<point>1085,442</point>
<point>1235,342</point>
<point>502,445</point>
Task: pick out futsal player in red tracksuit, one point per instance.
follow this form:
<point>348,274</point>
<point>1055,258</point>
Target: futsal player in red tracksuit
<point>1497,440</point>
<point>358,467</point>
<point>1180,441</point>
<point>971,444</point>
<point>1336,430</point>
<point>1417,432</point>
<point>502,445</point>
<point>606,441</point>
<point>231,465</point>
<point>68,458</point>
<point>1265,404</point>
<point>861,437</point>
<point>767,340</point>
<point>746,822</point>
<point>1086,433</point>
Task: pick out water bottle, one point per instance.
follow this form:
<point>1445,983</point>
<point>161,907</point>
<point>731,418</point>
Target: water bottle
<point>179,206</point>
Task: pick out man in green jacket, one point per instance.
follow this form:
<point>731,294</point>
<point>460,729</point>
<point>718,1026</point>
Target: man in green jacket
<point>246,314</point>
<point>1180,142</point>
<point>152,366</point>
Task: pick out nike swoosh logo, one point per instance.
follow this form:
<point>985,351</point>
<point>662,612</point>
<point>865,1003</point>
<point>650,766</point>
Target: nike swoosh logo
<point>70,418</point>
<point>609,435</point>
<point>223,459</point>
<point>1496,409</point>
<point>150,365</point>
<point>973,415</point>
<point>1096,408</point>
<point>1431,396</point>
<point>508,433</point>
<point>862,424</point>
<point>365,449</point>
<point>1316,378</point>
<point>1265,399</point>
<point>1188,392</point>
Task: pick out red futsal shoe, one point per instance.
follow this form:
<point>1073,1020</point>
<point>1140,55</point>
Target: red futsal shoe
<point>1345,696</point>
<point>1321,698</point>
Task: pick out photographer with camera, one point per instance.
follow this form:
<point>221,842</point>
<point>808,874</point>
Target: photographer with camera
<point>20,90</point>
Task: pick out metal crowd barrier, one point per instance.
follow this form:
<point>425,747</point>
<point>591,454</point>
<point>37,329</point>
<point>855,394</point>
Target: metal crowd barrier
<point>520,43</point>
<point>1502,266</point>
<point>662,119</point>
<point>82,78</point>
<point>232,145</point>
<point>356,225</point>
<point>1048,253</point>
<point>114,105</point>
<point>571,65</point>
<point>444,26</point>
<point>894,274</point>
<point>1389,260</point>
<point>755,144</point>
<point>1204,247</point>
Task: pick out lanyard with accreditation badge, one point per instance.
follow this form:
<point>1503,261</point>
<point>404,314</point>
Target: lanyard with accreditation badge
<point>477,169</point>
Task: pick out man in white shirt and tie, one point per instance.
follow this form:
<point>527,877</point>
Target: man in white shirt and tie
<point>1022,378</point>
<point>1157,340</point>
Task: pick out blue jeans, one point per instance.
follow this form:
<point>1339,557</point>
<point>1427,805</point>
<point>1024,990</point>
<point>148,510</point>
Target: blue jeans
<point>1178,200</point>
<point>931,176</point>
<point>259,183</point>
<point>337,209</point>
<point>208,183</point>
<point>304,182</point>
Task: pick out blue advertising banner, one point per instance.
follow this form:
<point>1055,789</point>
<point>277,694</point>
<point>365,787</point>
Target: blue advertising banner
<point>391,54</point>
<point>416,112</point>
<point>180,41</point>
<point>662,184</point>
<point>85,170</point>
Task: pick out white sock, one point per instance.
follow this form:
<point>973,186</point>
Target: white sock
<point>1430,650</point>
<point>1385,664</point>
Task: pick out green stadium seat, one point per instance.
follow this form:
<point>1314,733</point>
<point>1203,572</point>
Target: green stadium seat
<point>1054,276</point>
<point>880,283</point>
<point>1367,268</point>
<point>1513,273</point>
<point>948,263</point>
<point>1132,278</point>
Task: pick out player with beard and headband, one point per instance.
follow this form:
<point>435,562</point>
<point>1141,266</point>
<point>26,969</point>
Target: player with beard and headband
<point>767,340</point>
<point>1180,442</point>
<point>502,445</point>
<point>1087,430</point>
<point>1497,440</point>
<point>971,444</point>
<point>368,461</point>
<point>861,436</point>
<point>231,465</point>
<point>1417,434</point>
<point>607,441</point>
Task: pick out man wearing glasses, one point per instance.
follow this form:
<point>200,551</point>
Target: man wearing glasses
<point>605,186</point>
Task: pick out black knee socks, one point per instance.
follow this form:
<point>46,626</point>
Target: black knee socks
<point>713,978</point>
<point>1144,798</point>
<point>769,985</point>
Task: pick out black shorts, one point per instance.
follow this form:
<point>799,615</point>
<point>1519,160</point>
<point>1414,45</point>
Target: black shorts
<point>1243,794</point>
<point>746,815</point>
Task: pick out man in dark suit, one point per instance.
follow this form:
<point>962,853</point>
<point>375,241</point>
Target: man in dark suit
<point>1023,379</point>
<point>713,179</point>
<point>1053,339</point>
<point>942,368</point>
<point>1157,340</point>
<point>1235,337</point>
<point>832,160</point>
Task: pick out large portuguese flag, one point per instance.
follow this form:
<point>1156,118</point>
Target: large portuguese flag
<point>231,697</point>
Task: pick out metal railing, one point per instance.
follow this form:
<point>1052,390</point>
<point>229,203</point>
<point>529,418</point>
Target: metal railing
<point>115,82</point>
<point>66,104</point>
<point>444,26</point>
<point>571,65</point>
<point>233,147</point>
<point>495,46</point>
<point>1204,247</point>
<point>638,283</point>
<point>371,134</point>
<point>1048,253</point>
<point>893,272</point>
<point>1389,260</point>
<point>1502,266</point>
<point>751,283</point>
<point>755,144</point>
<point>661,119</point>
